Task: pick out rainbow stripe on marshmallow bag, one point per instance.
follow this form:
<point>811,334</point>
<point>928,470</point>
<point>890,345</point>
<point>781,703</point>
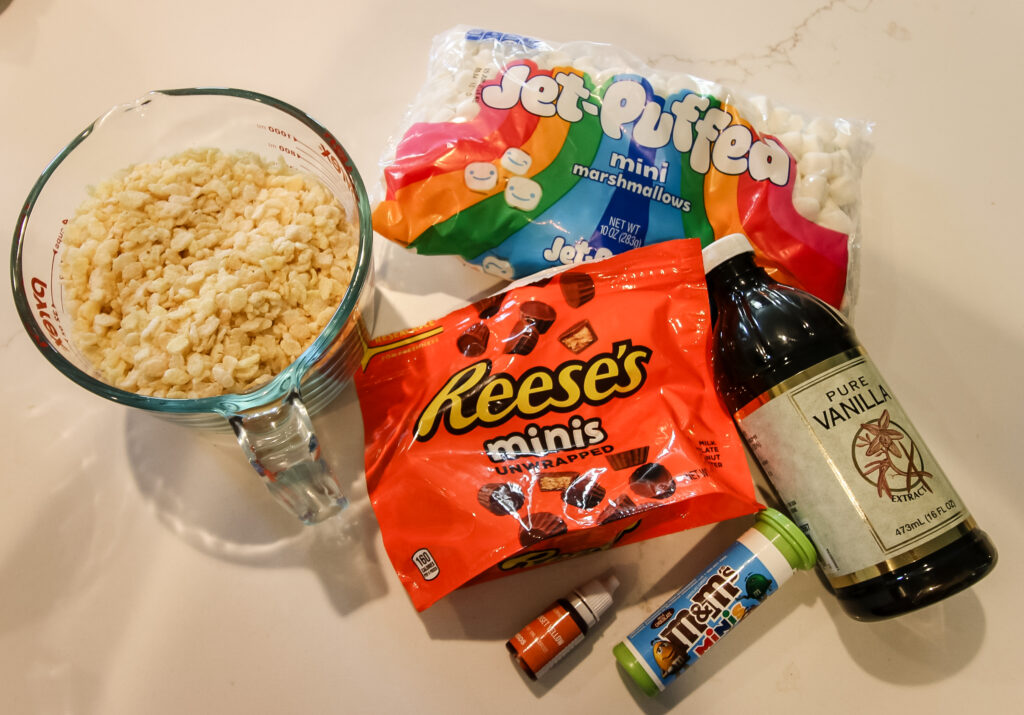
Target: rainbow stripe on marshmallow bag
<point>544,163</point>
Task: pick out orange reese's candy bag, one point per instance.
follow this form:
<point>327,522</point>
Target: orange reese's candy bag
<point>562,417</point>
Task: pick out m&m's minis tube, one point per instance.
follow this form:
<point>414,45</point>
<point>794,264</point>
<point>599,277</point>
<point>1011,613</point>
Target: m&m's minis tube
<point>699,614</point>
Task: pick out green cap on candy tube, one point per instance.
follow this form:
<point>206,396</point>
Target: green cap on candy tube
<point>636,671</point>
<point>783,535</point>
<point>787,538</point>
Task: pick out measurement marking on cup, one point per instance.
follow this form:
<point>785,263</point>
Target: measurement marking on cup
<point>321,151</point>
<point>316,167</point>
<point>316,156</point>
<point>324,151</point>
<point>275,130</point>
<point>300,159</point>
<point>56,284</point>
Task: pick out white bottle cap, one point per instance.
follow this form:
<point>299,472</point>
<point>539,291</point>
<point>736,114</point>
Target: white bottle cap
<point>723,249</point>
<point>592,599</point>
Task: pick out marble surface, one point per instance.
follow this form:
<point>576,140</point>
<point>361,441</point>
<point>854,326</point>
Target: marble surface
<point>145,570</point>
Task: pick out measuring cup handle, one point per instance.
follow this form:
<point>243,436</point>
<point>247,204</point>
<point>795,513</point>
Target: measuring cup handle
<point>283,449</point>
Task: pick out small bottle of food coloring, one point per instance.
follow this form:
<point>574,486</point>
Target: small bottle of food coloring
<point>551,635</point>
<point>690,622</point>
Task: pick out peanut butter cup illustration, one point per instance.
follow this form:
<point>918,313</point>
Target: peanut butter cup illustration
<point>489,307</point>
<point>540,527</point>
<point>652,481</point>
<point>523,339</point>
<point>555,481</point>
<point>501,499</point>
<point>473,342</point>
<point>538,314</point>
<point>577,288</point>
<point>618,508</point>
<point>584,493</point>
<point>629,458</point>
<point>578,337</point>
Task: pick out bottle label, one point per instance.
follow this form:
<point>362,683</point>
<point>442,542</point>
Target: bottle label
<point>699,614</point>
<point>852,470</point>
<point>547,639</point>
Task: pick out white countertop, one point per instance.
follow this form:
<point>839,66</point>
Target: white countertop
<point>143,570</point>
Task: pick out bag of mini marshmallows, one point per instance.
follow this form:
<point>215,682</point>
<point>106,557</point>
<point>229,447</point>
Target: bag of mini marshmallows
<point>520,154</point>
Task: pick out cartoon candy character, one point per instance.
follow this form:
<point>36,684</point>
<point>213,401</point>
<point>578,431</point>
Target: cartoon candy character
<point>757,586</point>
<point>668,658</point>
<point>522,193</point>
<point>499,267</point>
<point>481,176</point>
<point>516,161</point>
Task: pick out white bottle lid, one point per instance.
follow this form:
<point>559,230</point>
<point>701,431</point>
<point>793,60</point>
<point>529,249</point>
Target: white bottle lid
<point>593,598</point>
<point>724,248</point>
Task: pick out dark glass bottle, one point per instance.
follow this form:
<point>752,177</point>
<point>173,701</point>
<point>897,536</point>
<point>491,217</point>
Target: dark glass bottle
<point>836,446</point>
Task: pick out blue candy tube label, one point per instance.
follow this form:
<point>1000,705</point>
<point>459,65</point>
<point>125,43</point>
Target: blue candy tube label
<point>699,614</point>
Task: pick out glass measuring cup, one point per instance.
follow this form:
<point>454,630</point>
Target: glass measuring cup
<point>272,422</point>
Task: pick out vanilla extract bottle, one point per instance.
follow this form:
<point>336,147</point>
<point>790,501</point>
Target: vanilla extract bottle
<point>891,533</point>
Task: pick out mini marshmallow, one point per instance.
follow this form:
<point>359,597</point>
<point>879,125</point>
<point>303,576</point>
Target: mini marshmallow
<point>522,193</point>
<point>843,191</point>
<point>813,186</point>
<point>585,64</point>
<point>778,120</point>
<point>484,57</point>
<point>794,142</point>
<point>760,105</point>
<point>443,114</point>
<point>605,76</point>
<point>807,207</point>
<point>557,59</point>
<point>843,139</point>
<point>842,164</point>
<point>552,58</point>
<point>467,109</point>
<point>516,160</point>
<point>659,84</point>
<point>815,162</point>
<point>836,219</point>
<point>823,129</point>
<point>463,78</point>
<point>481,176</point>
<point>498,267</point>
<point>686,82</point>
<point>812,143</point>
